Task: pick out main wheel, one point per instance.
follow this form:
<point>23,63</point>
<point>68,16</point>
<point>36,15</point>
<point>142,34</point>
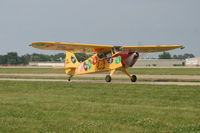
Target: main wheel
<point>108,78</point>
<point>133,78</point>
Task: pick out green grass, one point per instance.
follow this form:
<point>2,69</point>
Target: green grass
<point>151,71</point>
<point>165,71</point>
<point>30,70</point>
<point>99,78</point>
<point>104,108</point>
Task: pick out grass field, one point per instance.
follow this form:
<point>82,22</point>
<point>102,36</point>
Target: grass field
<point>150,71</point>
<point>104,108</point>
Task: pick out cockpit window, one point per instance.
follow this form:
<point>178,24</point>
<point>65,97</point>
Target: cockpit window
<point>104,55</point>
<point>82,56</point>
<point>108,54</point>
<point>100,55</point>
<point>116,49</point>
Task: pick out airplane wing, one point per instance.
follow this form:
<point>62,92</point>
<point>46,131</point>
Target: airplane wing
<point>150,49</point>
<point>93,48</point>
<point>73,47</point>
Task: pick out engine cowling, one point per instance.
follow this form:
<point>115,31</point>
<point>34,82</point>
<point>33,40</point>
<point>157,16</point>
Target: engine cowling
<point>132,59</point>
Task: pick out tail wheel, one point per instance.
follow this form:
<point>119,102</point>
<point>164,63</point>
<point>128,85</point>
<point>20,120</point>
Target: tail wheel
<point>133,78</point>
<point>108,78</point>
<point>69,79</point>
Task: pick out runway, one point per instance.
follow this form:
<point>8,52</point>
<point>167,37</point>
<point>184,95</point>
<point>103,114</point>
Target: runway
<point>42,78</point>
<point>103,75</point>
<point>102,81</point>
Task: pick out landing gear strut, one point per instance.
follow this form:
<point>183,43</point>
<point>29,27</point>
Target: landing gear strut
<point>133,77</point>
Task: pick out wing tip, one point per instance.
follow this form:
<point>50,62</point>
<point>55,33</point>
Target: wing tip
<point>181,46</point>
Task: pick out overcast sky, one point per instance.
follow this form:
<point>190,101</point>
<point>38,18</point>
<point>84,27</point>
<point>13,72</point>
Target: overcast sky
<point>112,22</point>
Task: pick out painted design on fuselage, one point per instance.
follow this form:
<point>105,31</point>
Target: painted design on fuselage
<point>95,60</point>
<point>67,61</point>
<point>118,59</point>
<point>93,64</point>
<point>80,68</point>
<point>110,60</point>
<point>101,64</point>
<point>89,64</point>
<point>85,65</point>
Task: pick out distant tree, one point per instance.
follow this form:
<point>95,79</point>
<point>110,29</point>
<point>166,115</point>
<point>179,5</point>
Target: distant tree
<point>3,59</point>
<point>59,57</point>
<point>185,56</point>
<point>165,55</point>
<point>188,56</point>
<point>12,58</point>
<point>40,57</point>
<point>24,59</point>
<point>178,57</point>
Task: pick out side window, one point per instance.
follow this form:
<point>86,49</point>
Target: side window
<point>82,56</point>
<point>116,49</point>
<point>108,54</point>
<point>104,55</point>
<point>100,55</point>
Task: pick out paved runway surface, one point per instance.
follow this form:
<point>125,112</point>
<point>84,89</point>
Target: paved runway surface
<point>102,81</point>
<point>114,76</point>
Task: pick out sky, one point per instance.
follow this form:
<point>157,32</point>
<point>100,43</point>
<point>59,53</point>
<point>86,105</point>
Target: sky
<point>108,22</point>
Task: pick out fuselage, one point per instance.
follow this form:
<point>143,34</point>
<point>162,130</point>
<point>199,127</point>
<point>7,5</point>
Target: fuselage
<point>101,62</point>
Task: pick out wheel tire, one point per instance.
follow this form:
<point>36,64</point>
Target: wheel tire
<point>133,78</point>
<point>108,78</point>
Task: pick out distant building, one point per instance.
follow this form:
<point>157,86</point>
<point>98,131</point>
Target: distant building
<point>160,62</point>
<point>47,64</point>
<point>193,62</point>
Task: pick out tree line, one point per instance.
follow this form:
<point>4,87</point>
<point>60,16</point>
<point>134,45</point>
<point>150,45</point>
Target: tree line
<point>167,55</point>
<point>12,58</point>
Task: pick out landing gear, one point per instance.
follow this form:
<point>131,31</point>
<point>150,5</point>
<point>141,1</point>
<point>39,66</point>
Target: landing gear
<point>133,78</point>
<point>69,79</point>
<point>108,78</point>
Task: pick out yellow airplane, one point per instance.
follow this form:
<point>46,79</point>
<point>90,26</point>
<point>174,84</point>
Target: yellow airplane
<point>104,58</point>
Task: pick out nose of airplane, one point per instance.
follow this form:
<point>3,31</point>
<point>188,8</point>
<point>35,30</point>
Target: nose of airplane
<point>132,58</point>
